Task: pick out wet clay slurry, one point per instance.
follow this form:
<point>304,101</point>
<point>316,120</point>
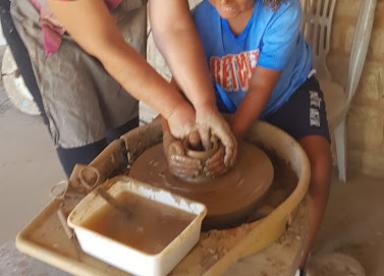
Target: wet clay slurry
<point>284,183</point>
<point>229,198</point>
<point>150,228</point>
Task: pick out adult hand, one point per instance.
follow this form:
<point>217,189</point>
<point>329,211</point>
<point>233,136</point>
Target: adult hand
<point>181,122</point>
<point>179,164</point>
<point>210,122</point>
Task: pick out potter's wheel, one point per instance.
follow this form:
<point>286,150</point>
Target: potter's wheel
<point>229,198</point>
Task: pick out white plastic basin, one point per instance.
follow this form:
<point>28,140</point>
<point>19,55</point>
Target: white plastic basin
<point>128,258</point>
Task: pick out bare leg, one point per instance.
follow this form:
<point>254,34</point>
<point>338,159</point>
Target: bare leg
<point>319,154</point>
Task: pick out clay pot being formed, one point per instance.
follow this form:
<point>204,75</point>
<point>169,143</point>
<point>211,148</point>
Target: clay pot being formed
<point>202,155</point>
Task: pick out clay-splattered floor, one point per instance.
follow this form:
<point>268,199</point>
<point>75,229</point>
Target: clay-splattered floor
<point>354,223</point>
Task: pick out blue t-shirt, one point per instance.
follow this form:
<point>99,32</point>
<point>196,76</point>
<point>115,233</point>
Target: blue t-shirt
<point>271,39</point>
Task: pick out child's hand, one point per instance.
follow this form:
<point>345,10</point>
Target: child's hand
<point>210,122</point>
<point>215,166</point>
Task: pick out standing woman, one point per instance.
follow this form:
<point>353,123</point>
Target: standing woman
<point>86,54</point>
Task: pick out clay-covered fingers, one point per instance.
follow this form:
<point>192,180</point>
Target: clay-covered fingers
<point>205,136</point>
<point>215,165</point>
<point>173,147</point>
<point>211,122</point>
<point>229,141</point>
<point>179,164</point>
<point>184,167</point>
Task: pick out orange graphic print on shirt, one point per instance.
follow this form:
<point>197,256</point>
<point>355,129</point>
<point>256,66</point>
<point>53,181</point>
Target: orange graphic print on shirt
<point>233,72</point>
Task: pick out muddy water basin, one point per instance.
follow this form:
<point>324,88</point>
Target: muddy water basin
<point>153,232</point>
<point>149,227</point>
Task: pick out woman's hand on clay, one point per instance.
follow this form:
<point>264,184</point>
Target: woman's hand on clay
<point>210,122</point>
<point>179,164</point>
<point>181,122</point>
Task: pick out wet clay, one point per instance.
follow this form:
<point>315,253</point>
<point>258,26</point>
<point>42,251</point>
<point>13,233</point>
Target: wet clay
<point>283,185</point>
<point>198,152</point>
<point>150,228</point>
<point>215,244</point>
<point>229,198</point>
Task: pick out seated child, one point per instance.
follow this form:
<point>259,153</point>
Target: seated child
<point>261,67</point>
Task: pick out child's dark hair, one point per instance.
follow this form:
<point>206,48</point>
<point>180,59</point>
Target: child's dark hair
<point>274,4</point>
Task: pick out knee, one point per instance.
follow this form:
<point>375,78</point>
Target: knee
<point>320,158</point>
<point>321,162</point>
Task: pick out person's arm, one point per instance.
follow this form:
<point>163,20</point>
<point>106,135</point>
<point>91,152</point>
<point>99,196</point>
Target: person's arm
<point>175,35</point>
<point>278,45</point>
<point>261,86</point>
<point>91,25</point>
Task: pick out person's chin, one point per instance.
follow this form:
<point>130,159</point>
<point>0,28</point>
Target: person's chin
<point>228,13</point>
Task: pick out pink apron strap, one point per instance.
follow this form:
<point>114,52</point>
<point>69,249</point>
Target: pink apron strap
<point>36,4</point>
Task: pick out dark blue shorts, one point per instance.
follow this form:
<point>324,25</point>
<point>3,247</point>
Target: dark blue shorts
<point>304,113</point>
